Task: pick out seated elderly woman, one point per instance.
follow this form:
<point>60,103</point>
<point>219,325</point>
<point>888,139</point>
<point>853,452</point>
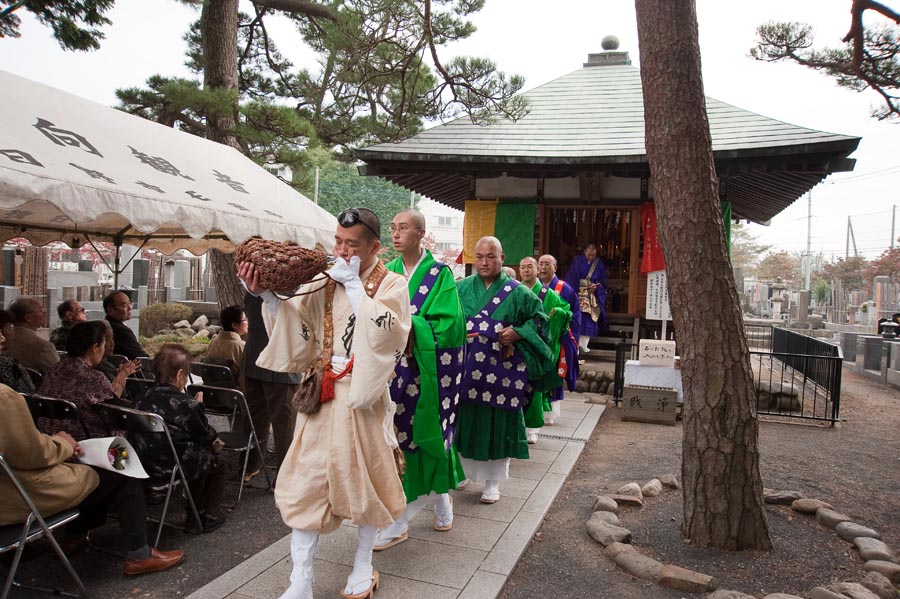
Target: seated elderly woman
<point>75,379</point>
<point>12,373</point>
<point>195,439</point>
<point>227,347</point>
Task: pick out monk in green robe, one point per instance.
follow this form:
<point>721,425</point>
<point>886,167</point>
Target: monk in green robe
<point>426,385</point>
<point>560,314</point>
<point>505,356</point>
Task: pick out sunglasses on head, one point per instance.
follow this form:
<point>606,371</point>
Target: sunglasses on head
<point>351,217</point>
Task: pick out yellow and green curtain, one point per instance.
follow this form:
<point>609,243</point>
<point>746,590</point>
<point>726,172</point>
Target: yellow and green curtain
<point>510,221</point>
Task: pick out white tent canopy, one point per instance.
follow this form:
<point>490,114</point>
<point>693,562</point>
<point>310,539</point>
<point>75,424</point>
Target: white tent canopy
<point>77,171</point>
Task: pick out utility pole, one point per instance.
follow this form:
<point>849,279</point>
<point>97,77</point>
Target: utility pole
<point>893,223</point>
<point>808,238</point>
<point>847,249</point>
<point>412,200</point>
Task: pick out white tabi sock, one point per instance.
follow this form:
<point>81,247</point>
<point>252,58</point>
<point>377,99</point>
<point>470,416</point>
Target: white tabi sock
<point>491,488</point>
<point>443,509</point>
<point>303,552</point>
<point>397,529</point>
<point>360,578</point>
<point>583,341</point>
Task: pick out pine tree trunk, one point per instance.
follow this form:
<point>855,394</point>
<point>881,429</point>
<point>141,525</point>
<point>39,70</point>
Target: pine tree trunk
<point>218,28</point>
<point>723,501</point>
<point>224,276</point>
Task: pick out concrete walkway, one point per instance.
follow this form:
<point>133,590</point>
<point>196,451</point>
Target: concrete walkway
<point>473,560</point>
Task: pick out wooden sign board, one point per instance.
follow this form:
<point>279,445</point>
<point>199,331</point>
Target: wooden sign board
<point>658,296</point>
<point>655,405</point>
<point>653,352</point>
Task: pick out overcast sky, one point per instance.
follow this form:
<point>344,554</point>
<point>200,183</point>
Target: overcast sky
<point>543,41</point>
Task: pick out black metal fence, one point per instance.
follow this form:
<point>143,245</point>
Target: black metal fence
<point>624,352</point>
<point>796,376</point>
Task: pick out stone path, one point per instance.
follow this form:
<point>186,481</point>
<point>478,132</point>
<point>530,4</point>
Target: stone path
<point>472,561</point>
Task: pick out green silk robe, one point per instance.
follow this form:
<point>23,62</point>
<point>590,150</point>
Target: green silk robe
<point>438,324</point>
<point>560,313</point>
<point>485,433</point>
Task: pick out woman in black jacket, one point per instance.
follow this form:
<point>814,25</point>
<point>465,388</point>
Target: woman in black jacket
<point>194,438</point>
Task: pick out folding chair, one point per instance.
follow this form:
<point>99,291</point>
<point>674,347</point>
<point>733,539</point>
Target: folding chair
<point>215,373</point>
<point>135,387</point>
<point>54,408</point>
<point>118,359</point>
<point>16,536</point>
<point>36,377</point>
<point>146,368</point>
<point>221,401</point>
<point>136,421</point>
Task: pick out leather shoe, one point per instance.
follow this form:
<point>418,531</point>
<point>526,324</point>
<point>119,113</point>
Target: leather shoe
<point>72,545</point>
<point>157,562</point>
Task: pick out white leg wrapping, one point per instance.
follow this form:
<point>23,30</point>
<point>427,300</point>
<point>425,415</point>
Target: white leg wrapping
<point>555,410</point>
<point>303,552</point>
<point>415,507</point>
<point>360,578</point>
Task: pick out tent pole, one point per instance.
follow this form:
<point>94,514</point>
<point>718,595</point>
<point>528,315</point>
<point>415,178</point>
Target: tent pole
<point>118,242</point>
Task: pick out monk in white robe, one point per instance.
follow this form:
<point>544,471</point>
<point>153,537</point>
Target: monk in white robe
<point>341,463</point>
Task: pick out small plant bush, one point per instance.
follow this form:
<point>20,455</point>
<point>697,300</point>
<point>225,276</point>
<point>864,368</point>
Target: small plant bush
<point>162,316</point>
<point>196,347</point>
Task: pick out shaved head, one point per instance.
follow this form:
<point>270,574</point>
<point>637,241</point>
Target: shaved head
<point>546,268</point>
<point>414,217</point>
<point>488,258</point>
<point>493,241</point>
<point>548,258</point>
<point>528,270</point>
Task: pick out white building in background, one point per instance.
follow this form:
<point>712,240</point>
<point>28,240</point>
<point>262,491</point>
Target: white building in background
<point>445,224</point>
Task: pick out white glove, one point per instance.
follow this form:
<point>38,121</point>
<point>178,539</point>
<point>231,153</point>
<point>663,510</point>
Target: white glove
<point>347,274</point>
<point>342,271</point>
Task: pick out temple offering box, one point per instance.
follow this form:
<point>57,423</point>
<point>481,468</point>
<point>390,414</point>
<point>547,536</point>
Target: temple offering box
<point>653,352</point>
<point>649,404</point>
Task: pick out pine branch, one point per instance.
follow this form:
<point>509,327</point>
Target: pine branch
<point>300,7</point>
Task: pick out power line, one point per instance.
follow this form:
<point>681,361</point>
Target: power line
<point>874,174</point>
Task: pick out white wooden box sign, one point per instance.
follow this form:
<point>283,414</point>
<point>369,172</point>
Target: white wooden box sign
<point>656,352</point>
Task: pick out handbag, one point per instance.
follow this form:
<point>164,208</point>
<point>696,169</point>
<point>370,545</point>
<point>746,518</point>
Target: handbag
<point>308,397</point>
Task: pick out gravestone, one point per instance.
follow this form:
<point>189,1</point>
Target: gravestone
<point>140,272</point>
<point>9,266</point>
<point>848,346</point>
<point>868,352</point>
<point>181,274</point>
<point>8,295</point>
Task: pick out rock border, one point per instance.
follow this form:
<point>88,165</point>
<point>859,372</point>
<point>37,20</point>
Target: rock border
<point>881,561</point>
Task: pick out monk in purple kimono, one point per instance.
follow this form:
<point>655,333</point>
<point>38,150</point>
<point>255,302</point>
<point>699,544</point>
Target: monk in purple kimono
<point>569,343</point>
<point>587,275</point>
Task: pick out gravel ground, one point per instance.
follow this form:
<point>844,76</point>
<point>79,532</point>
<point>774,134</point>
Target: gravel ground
<point>853,466</point>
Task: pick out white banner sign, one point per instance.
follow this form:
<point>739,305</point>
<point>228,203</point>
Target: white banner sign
<point>658,296</point>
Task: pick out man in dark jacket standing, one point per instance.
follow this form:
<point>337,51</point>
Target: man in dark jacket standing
<point>269,394</point>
